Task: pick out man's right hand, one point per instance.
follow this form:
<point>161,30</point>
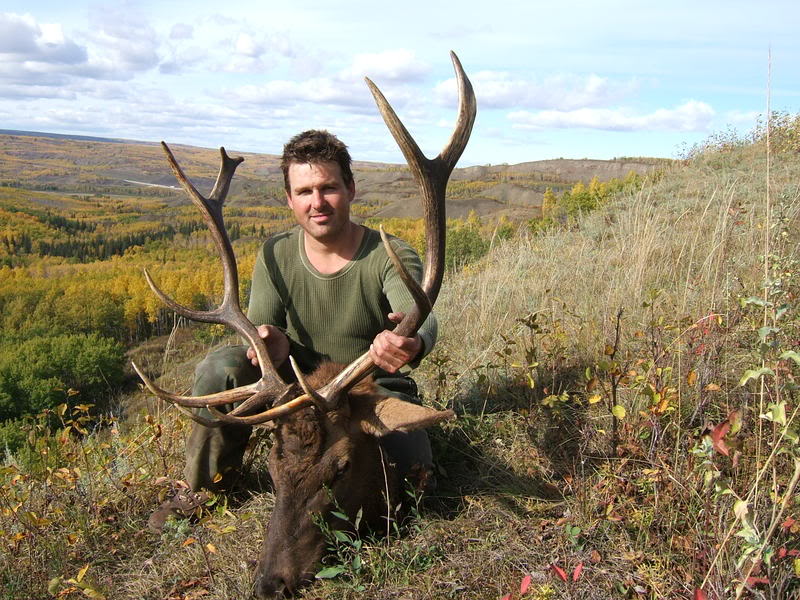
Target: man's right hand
<point>277,345</point>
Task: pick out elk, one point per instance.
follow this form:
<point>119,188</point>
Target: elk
<point>327,425</point>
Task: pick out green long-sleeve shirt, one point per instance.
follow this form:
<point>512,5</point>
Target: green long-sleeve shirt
<point>332,317</point>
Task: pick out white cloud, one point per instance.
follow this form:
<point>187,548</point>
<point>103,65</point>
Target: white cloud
<point>690,116</point>
<point>346,88</point>
<point>497,89</point>
<point>392,65</point>
<point>125,37</point>
<point>52,34</point>
<point>35,92</point>
<point>746,118</point>
<point>181,31</point>
<point>320,90</point>
<point>253,51</point>
<point>23,40</point>
<point>247,46</point>
<point>183,58</point>
<point>39,55</point>
<point>18,34</point>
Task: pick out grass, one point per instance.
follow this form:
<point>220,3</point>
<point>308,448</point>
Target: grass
<point>604,446</point>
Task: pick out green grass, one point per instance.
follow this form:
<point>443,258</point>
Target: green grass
<point>585,439</point>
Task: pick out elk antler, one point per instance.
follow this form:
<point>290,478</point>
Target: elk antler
<point>431,176</point>
<point>229,312</point>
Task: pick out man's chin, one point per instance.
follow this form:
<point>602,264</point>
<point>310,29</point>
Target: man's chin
<point>321,233</point>
<point>329,231</point>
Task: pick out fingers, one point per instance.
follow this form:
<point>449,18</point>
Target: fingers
<point>276,341</point>
<point>263,332</point>
<point>384,360</point>
<point>390,351</point>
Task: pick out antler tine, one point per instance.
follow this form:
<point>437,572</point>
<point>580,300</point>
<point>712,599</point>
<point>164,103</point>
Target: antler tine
<point>227,168</point>
<point>276,412</point>
<point>211,208</point>
<point>318,400</point>
<point>205,316</point>
<point>467,111</point>
<point>420,297</point>
<point>227,397</point>
<point>210,423</point>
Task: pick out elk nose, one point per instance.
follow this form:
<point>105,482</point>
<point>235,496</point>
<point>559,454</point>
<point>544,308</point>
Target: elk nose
<point>271,588</point>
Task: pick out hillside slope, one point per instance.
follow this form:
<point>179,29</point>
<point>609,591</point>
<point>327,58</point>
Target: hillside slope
<point>613,437</point>
<point>123,167</point>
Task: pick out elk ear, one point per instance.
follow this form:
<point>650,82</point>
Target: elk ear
<point>379,416</point>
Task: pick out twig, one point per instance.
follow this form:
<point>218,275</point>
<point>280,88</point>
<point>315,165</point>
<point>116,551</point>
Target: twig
<point>757,558</point>
<point>386,491</point>
<point>615,379</point>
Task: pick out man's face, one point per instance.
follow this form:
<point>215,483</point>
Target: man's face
<point>320,199</point>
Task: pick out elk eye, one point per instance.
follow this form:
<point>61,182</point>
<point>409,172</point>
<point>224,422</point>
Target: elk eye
<point>342,469</point>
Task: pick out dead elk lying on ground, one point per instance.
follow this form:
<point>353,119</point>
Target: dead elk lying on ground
<point>327,426</point>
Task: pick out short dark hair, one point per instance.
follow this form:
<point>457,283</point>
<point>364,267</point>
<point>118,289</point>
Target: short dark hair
<point>316,146</point>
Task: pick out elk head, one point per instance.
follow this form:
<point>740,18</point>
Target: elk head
<point>326,450</point>
<point>321,462</point>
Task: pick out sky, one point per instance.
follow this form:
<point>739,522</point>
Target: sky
<point>552,79</point>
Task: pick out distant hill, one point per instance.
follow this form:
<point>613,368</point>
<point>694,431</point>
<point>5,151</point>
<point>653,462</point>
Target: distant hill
<point>66,136</point>
<point>89,165</point>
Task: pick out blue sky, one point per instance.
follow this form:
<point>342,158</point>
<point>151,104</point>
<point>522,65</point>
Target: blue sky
<point>581,79</point>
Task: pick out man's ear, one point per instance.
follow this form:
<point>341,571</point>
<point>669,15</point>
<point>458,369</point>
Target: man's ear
<point>379,416</point>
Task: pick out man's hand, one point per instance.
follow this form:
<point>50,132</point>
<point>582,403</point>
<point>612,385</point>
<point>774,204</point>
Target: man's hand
<point>390,351</point>
<point>277,345</point>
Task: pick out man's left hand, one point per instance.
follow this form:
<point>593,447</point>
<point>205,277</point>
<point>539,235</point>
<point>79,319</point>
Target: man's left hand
<point>390,351</point>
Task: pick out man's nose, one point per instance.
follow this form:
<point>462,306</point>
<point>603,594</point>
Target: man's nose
<point>317,200</point>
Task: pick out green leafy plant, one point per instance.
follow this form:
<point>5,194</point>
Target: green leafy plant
<point>345,557</point>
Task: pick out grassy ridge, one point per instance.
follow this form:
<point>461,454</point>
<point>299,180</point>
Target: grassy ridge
<point>625,390</point>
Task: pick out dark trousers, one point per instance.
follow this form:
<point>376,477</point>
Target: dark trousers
<point>217,453</point>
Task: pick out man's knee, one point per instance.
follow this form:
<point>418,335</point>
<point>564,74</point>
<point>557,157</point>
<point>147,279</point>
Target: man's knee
<point>222,369</point>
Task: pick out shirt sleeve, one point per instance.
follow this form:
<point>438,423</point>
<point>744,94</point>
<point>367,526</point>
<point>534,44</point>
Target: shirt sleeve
<point>266,306</point>
<point>400,298</point>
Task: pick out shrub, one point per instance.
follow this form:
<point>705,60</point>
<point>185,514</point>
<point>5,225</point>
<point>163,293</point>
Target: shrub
<point>12,436</point>
<point>464,243</point>
<point>43,372</point>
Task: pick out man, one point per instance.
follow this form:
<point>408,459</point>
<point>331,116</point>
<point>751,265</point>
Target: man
<point>325,290</point>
